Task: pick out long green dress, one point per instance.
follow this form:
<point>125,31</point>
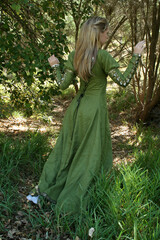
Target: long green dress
<point>84,143</point>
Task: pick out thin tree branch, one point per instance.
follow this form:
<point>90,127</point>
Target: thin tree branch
<point>124,18</point>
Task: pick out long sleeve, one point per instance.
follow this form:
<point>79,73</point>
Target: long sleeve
<point>125,78</point>
<point>110,67</point>
<point>69,76</point>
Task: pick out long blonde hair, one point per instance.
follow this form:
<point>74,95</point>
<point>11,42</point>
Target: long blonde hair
<point>87,46</point>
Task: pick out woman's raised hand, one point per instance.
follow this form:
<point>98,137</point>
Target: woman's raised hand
<point>53,60</point>
<point>138,49</point>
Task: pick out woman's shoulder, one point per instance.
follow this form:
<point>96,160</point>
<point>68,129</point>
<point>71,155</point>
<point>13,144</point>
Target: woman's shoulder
<point>103,52</point>
<point>106,60</point>
<point>71,54</point>
<point>103,56</point>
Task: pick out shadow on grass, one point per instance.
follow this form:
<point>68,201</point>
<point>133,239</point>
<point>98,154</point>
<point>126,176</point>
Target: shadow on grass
<point>123,205</point>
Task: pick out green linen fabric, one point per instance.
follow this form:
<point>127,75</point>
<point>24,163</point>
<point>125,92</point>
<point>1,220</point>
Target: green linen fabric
<point>84,144</point>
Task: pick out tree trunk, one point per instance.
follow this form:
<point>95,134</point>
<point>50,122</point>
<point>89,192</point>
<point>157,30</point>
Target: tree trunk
<point>145,21</point>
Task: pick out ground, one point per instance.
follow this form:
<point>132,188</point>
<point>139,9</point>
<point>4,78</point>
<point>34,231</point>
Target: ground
<point>123,135</point>
<point>120,132</point>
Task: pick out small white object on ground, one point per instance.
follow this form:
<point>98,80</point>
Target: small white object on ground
<point>33,199</point>
<point>90,232</point>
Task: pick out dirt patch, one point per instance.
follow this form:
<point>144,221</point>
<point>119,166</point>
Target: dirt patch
<point>121,133</point>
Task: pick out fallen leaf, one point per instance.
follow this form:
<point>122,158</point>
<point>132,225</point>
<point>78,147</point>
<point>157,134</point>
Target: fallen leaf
<point>11,233</point>
<point>24,221</point>
<point>46,237</point>
<point>18,223</point>
<point>90,232</point>
<point>20,213</point>
<point>77,238</point>
<point>26,239</point>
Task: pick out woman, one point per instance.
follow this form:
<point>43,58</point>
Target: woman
<point>84,146</point>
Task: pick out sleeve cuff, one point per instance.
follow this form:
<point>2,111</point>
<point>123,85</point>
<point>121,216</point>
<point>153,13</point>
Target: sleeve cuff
<point>137,55</point>
<point>55,65</point>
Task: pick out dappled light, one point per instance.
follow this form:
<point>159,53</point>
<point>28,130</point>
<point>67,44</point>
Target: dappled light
<point>127,141</point>
<point>37,159</point>
<point>41,122</point>
<point>16,126</point>
<point>123,137</point>
<point>122,134</point>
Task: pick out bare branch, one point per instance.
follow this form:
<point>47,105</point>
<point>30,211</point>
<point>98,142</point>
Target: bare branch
<point>124,18</point>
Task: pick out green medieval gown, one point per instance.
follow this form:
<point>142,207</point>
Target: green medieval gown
<point>84,145</point>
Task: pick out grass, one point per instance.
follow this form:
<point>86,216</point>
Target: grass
<point>123,205</point>
<point>19,159</point>
<point>120,100</point>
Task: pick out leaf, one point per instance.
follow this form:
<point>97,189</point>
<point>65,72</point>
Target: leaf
<point>20,213</point>
<point>90,232</point>
<point>18,223</point>
<point>77,238</point>
<point>11,233</point>
<point>26,238</point>
<point>23,1</point>
<point>16,7</point>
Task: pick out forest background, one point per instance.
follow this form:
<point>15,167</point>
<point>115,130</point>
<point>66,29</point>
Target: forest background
<point>30,32</point>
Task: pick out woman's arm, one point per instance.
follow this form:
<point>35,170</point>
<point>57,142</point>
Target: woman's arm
<point>125,78</point>
<point>67,79</point>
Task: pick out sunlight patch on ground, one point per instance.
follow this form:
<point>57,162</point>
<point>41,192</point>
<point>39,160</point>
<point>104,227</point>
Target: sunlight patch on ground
<point>122,139</point>
<point>121,130</point>
<point>18,125</point>
<point>123,160</point>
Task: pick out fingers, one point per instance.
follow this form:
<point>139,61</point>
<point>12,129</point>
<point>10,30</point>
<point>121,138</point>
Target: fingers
<point>139,47</point>
<point>53,60</point>
<point>141,44</point>
<point>143,41</point>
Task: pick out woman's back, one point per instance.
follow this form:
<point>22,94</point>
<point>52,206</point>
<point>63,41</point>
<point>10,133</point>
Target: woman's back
<point>96,84</point>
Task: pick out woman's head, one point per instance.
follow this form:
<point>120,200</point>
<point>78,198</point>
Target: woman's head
<point>91,31</point>
<point>92,36</point>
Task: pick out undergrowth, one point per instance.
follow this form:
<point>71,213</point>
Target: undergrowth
<point>123,205</point>
<point>20,159</point>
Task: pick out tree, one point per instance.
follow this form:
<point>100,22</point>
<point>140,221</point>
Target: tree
<point>81,10</point>
<point>30,31</point>
<point>131,21</point>
<point>144,19</point>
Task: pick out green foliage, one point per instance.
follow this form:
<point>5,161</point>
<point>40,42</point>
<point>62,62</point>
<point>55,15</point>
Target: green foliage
<point>123,205</point>
<point>19,159</point>
<point>27,155</point>
<point>30,32</point>
<point>5,109</point>
<point>81,10</point>
<point>147,138</point>
<point>120,100</point>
